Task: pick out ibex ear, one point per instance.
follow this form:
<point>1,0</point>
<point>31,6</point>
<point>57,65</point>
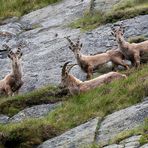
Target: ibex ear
<point>81,45</point>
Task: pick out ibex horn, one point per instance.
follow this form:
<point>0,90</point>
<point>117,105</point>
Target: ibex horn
<point>64,68</point>
<point>6,47</point>
<point>69,41</point>
<point>70,67</point>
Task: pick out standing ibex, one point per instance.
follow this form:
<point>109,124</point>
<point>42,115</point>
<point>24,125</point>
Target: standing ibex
<point>75,86</point>
<point>131,51</point>
<point>89,63</point>
<point>13,81</point>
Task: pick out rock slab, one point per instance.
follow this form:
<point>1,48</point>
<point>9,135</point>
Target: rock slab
<point>119,121</point>
<point>75,138</point>
<point>33,112</point>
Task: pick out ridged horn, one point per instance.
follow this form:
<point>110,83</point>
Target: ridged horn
<point>64,68</point>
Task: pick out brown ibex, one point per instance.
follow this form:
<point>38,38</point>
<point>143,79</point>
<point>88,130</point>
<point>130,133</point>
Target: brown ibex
<point>89,63</point>
<point>131,51</point>
<point>75,86</point>
<point>13,81</point>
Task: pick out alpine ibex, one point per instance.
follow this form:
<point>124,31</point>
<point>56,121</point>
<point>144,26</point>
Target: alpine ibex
<point>89,63</point>
<point>75,86</point>
<point>13,81</point>
<point>131,51</point>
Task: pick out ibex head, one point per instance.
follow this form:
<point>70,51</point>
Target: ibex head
<point>15,57</point>
<point>117,32</point>
<point>75,47</point>
<point>65,77</point>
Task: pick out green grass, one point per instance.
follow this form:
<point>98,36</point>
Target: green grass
<point>78,109</point>
<point>123,10</point>
<point>9,8</point>
<point>11,106</point>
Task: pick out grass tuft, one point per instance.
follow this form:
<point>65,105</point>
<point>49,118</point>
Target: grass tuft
<point>10,8</point>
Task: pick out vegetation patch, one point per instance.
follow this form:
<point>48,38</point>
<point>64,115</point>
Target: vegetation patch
<point>11,106</point>
<point>78,109</point>
<point>10,8</point>
<point>123,10</point>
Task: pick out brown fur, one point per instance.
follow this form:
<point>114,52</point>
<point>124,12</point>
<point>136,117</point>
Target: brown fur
<point>75,86</point>
<point>13,81</point>
<point>89,63</point>
<point>131,51</point>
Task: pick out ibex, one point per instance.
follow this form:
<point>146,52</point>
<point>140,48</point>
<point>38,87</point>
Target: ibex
<point>89,63</point>
<point>131,51</point>
<point>13,81</point>
<point>75,86</point>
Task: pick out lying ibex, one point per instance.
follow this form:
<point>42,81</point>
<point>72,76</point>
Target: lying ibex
<point>131,51</point>
<point>75,86</point>
<point>90,63</point>
<point>13,81</point>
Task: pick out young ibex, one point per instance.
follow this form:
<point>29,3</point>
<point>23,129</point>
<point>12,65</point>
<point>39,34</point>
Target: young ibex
<point>90,63</point>
<point>13,81</point>
<point>131,51</point>
<point>75,86</point>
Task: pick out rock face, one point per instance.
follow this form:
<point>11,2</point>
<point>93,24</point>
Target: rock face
<point>104,5</point>
<point>131,142</point>
<point>113,124</point>
<point>44,49</point>
<point>75,138</point>
<point>3,119</point>
<point>119,121</point>
<point>33,112</point>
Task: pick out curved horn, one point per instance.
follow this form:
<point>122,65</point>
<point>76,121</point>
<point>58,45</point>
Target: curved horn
<point>18,50</point>
<point>6,47</point>
<point>78,41</point>
<point>64,68</point>
<point>70,67</point>
<point>69,40</point>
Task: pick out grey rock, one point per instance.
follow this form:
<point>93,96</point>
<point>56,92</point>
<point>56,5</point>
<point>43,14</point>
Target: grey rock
<point>33,112</point>
<point>135,144</point>
<point>119,121</point>
<point>3,119</point>
<point>131,139</point>
<point>104,5</point>
<point>75,138</point>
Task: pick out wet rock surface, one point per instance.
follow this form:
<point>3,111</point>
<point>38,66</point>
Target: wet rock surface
<point>33,112</point>
<point>119,121</point>
<point>41,34</point>
<point>75,138</point>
